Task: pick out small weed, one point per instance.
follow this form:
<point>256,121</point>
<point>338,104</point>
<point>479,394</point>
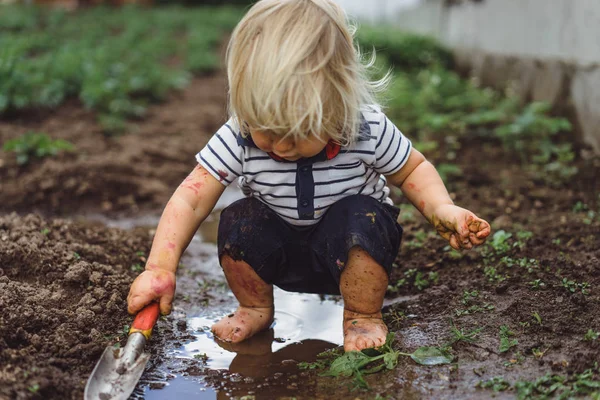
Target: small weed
<point>396,316</point>
<point>591,335</point>
<point>77,256</point>
<point>469,296</point>
<point>573,286</point>
<point>492,275</point>
<point>34,388</point>
<point>537,284</point>
<point>202,357</point>
<point>474,309</point>
<point>518,359</point>
<point>561,387</point>
<point>137,268</point>
<point>527,263</point>
<point>505,342</point>
<point>522,238</point>
<point>45,231</point>
<point>556,241</point>
<point>420,280</point>
<point>497,384</point>
<point>324,359</point>
<point>459,335</point>
<point>537,317</point>
<point>420,237</point>
<point>35,145</point>
<point>125,331</point>
<point>580,207</point>
<point>539,353</point>
<point>453,254</point>
<point>500,243</point>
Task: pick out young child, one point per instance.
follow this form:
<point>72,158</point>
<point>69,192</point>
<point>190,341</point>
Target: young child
<point>314,154</point>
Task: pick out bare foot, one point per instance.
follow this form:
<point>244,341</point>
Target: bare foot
<point>362,331</point>
<point>243,323</point>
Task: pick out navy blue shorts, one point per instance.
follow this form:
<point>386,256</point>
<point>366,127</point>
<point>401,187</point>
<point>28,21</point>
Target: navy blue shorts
<point>309,259</point>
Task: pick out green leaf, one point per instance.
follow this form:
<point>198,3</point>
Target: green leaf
<point>391,359</point>
<point>348,363</point>
<point>430,356</point>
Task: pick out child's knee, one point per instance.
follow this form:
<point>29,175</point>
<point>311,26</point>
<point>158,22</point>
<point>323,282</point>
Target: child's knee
<point>364,263</point>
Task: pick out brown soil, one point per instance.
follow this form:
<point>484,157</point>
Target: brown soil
<point>63,284</point>
<point>62,290</point>
<point>124,172</point>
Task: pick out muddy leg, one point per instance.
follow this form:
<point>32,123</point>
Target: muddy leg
<point>363,284</point>
<point>255,312</point>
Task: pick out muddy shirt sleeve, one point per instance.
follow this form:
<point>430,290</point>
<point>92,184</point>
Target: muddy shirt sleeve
<point>223,155</point>
<point>392,148</point>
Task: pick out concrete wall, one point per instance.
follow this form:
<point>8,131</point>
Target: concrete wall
<point>546,49</point>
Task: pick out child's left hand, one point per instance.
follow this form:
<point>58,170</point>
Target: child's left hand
<point>460,227</point>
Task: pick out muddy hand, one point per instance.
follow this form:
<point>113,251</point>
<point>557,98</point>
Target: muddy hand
<point>152,285</point>
<point>461,227</point>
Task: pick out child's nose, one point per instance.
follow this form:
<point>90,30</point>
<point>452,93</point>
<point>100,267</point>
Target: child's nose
<point>283,145</point>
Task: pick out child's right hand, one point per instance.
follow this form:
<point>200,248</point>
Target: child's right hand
<point>151,285</point>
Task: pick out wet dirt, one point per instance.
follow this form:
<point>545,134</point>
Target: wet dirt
<point>63,283</point>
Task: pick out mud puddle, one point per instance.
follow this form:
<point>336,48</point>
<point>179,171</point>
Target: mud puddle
<point>194,364</point>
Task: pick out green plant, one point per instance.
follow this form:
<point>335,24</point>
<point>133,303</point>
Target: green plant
<point>505,342</point>
<point>468,296</point>
<point>573,286</point>
<point>539,353</point>
<point>420,280</point>
<point>516,360</point>
<point>493,276</point>
<point>500,242</point>
<point>354,363</point>
<point>459,335</point>
<point>497,384</point>
<point>35,145</point>
<point>137,268</point>
<point>591,335</point>
<point>102,56</point>
<point>403,50</point>
<point>537,317</point>
<point>475,309</point>
<point>559,386</point>
<point>34,388</point>
<point>537,284</point>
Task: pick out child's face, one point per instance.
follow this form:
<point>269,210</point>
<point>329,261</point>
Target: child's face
<point>288,148</point>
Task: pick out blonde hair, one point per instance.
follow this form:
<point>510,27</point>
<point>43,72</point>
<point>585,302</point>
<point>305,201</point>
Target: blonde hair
<point>293,70</point>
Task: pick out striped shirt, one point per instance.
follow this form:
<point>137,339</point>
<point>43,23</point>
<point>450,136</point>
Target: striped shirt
<point>301,191</point>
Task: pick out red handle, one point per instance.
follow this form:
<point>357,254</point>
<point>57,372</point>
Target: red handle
<point>144,320</point>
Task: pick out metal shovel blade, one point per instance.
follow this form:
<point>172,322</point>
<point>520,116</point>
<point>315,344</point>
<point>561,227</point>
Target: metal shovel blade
<point>117,372</point>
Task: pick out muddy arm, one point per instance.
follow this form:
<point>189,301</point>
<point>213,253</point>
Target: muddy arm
<point>421,184</point>
<point>191,203</point>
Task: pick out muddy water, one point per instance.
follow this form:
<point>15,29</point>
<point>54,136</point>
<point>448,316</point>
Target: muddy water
<point>202,367</point>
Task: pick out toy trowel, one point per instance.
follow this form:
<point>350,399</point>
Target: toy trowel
<point>117,372</point>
